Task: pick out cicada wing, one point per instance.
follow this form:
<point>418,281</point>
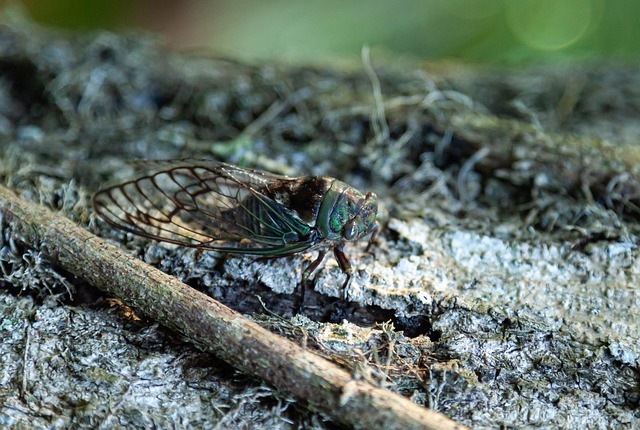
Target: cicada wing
<point>241,174</point>
<point>208,205</point>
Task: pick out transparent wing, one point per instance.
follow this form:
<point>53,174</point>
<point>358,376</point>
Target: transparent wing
<point>206,205</point>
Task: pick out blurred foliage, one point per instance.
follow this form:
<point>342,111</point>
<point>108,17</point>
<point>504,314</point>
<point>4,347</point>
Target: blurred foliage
<point>474,30</point>
<point>76,15</point>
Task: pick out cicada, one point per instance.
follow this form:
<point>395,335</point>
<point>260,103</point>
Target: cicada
<point>215,206</point>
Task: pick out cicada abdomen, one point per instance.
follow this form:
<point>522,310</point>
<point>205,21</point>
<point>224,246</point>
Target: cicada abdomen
<point>220,207</point>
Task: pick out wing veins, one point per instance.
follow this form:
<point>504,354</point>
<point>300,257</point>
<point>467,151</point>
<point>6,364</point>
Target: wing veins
<point>192,198</point>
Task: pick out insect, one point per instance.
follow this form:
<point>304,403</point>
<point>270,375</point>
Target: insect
<point>215,206</point>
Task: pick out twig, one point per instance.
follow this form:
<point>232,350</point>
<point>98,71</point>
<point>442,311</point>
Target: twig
<point>25,362</point>
<point>212,326</point>
<point>379,121</point>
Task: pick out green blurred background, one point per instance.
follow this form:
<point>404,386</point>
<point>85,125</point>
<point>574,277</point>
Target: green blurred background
<point>505,31</point>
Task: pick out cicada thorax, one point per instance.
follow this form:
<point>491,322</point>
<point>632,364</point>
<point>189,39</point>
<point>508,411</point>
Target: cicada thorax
<point>334,209</point>
<point>303,196</point>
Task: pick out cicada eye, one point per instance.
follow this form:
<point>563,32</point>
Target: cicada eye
<point>350,230</point>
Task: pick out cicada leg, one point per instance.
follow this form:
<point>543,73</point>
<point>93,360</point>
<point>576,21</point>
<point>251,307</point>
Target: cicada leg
<point>305,278</point>
<point>374,233</point>
<point>345,266</point>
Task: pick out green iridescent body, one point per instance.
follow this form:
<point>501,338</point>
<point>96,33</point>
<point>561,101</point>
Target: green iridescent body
<point>217,206</point>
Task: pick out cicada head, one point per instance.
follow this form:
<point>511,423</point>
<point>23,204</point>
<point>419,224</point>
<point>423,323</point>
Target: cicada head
<point>346,213</point>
